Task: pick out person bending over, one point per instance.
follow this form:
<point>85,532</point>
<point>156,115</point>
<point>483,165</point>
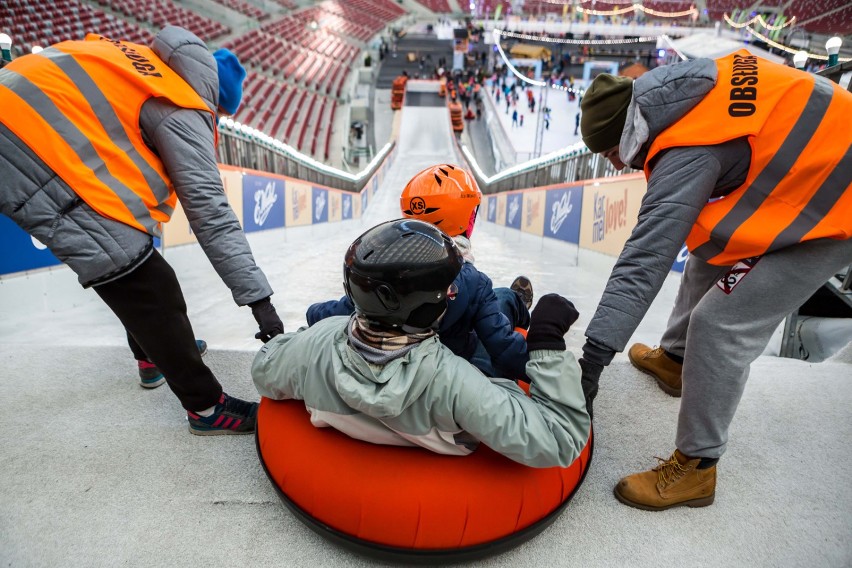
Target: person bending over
<point>99,139</point>
<point>749,163</point>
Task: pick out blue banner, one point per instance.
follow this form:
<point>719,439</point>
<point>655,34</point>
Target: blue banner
<point>346,206</point>
<point>492,209</point>
<point>514,209</point>
<point>365,199</point>
<point>20,251</point>
<point>680,261</point>
<point>562,211</point>
<point>320,197</point>
<point>263,203</point>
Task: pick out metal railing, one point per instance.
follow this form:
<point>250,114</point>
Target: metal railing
<point>245,147</point>
<point>571,164</point>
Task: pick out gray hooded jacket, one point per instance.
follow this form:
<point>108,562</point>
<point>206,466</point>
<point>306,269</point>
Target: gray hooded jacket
<point>100,249</point>
<point>682,180</point>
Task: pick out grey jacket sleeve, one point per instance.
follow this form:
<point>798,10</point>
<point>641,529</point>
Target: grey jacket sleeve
<point>546,429</point>
<point>184,141</point>
<point>681,183</point>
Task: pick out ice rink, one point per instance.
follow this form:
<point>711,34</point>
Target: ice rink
<point>96,471</point>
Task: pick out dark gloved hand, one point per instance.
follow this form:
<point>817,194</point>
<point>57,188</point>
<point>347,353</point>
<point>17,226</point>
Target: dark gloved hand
<point>551,318</point>
<point>589,380</point>
<point>267,318</point>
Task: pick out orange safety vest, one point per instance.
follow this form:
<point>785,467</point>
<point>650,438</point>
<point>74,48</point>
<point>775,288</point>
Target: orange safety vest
<point>799,180</point>
<point>77,105</point>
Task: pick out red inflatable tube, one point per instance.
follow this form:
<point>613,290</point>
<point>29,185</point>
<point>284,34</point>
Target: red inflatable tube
<point>407,504</point>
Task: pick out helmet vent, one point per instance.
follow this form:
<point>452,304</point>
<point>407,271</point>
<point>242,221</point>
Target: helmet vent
<point>401,265</point>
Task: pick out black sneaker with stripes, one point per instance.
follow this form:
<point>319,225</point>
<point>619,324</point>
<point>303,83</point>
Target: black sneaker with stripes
<point>231,416</point>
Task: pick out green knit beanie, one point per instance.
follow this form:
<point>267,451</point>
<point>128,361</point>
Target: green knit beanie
<point>604,109</point>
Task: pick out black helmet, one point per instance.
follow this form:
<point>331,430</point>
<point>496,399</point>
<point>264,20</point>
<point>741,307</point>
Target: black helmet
<point>397,273</point>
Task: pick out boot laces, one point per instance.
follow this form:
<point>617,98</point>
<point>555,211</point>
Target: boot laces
<point>654,353</point>
<point>669,471</point>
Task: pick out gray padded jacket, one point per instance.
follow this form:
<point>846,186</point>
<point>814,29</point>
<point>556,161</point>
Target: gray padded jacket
<point>428,397</point>
<point>682,180</point>
<point>100,249</point>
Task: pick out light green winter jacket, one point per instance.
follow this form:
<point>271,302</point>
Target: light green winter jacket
<point>428,397</point>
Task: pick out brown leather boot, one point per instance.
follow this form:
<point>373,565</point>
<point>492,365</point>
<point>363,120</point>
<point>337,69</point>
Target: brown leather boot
<point>655,363</point>
<point>674,482</point>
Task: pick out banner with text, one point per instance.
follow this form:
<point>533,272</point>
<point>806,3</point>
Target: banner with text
<point>533,208</point>
<point>610,209</point>
<point>514,209</point>
<point>562,210</point>
<point>320,201</point>
<point>299,209</point>
<point>263,202</point>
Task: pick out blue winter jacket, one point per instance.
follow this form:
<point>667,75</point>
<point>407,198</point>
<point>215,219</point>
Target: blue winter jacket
<point>474,316</point>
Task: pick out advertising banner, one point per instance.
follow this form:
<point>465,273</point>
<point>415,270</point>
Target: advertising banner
<point>491,208</point>
<point>320,200</point>
<point>514,209</point>
<point>365,198</point>
<point>562,213</point>
<point>21,251</point>
<point>232,181</point>
<point>347,208</point>
<point>178,232</point>
<point>501,209</point>
<point>299,200</point>
<point>357,208</point>
<point>533,208</point>
<point>680,261</point>
<point>334,213</point>
<point>263,203</point>
<point>609,213</point>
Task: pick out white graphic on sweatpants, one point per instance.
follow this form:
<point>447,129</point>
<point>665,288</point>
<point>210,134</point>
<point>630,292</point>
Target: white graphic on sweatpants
<point>737,272</point>
<point>264,199</point>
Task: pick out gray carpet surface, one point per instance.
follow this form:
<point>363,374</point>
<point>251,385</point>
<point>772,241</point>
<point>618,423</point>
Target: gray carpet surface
<point>96,471</point>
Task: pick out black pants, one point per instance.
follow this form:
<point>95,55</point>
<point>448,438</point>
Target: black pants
<point>150,305</point>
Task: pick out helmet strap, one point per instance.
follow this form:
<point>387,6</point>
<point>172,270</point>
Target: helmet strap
<point>469,231</point>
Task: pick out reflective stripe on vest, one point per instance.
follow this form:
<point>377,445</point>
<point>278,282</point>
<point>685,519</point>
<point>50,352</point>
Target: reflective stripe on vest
<point>799,184</point>
<point>77,106</point>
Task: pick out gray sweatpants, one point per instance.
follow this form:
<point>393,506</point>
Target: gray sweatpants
<point>719,334</point>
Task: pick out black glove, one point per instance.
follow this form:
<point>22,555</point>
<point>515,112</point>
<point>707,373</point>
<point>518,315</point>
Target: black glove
<point>589,380</point>
<point>551,318</point>
<point>267,318</point>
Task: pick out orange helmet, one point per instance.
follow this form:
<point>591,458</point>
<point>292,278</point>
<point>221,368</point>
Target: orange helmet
<point>446,196</point>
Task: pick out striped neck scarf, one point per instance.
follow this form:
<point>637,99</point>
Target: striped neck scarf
<point>381,346</point>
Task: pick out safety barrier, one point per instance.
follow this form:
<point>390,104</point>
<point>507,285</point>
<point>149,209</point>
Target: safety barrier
<point>260,198</point>
<point>596,214</point>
